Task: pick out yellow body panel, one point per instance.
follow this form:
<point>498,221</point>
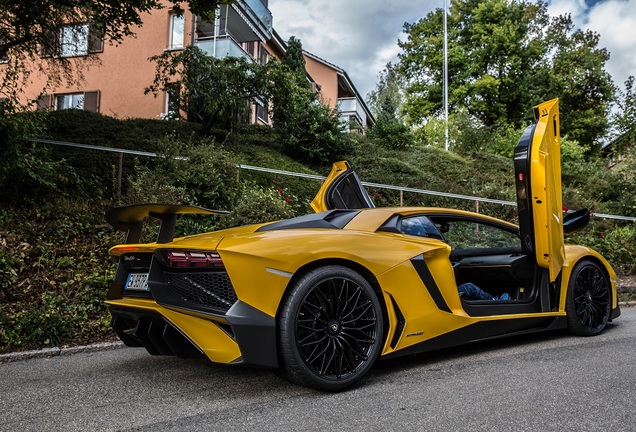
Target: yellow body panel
<point>546,188</point>
<point>213,341</point>
<point>319,202</point>
<point>573,254</point>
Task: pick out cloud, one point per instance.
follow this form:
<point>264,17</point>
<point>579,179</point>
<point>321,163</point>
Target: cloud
<point>615,22</point>
<point>360,36</point>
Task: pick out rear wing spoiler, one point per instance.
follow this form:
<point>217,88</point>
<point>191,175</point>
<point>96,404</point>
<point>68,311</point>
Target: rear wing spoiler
<point>130,219</point>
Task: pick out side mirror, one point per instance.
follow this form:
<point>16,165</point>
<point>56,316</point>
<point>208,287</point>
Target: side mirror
<point>572,222</point>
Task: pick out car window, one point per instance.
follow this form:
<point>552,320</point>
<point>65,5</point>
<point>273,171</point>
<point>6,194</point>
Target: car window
<point>420,226</point>
<point>473,236</point>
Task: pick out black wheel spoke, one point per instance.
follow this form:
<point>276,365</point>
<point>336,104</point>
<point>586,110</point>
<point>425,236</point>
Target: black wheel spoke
<point>591,298</point>
<point>336,328</point>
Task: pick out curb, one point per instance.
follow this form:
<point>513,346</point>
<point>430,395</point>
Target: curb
<point>57,351</point>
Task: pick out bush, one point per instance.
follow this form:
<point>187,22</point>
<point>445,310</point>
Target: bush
<point>196,173</point>
<point>613,239</point>
<point>26,171</point>
<point>258,205</point>
<point>54,271</point>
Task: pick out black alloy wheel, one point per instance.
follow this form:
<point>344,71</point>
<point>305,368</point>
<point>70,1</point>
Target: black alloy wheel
<point>588,304</point>
<point>331,329</point>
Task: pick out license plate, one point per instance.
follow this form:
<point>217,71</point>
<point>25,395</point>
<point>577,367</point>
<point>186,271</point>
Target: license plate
<point>137,282</point>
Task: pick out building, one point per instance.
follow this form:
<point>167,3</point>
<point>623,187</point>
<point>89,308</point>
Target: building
<point>337,90</point>
<point>114,84</point>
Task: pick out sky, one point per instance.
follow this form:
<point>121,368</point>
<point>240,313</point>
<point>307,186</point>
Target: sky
<point>360,36</point>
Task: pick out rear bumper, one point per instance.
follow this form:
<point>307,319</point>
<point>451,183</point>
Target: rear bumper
<point>243,335</point>
<point>615,313</point>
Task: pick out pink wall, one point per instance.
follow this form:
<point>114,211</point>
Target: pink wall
<point>326,77</point>
<point>121,72</point>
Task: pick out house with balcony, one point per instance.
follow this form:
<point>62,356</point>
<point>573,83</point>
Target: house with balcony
<point>337,90</point>
<point>114,85</point>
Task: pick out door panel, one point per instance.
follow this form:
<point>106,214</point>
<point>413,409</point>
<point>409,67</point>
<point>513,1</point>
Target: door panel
<point>341,190</point>
<point>538,181</point>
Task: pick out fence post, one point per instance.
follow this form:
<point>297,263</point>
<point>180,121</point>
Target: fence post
<point>119,175</point>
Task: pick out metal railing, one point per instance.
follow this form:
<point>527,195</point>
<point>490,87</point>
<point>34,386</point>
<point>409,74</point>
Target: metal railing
<point>401,189</point>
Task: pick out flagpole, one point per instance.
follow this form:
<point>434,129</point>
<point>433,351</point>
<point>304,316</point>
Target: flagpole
<point>446,145</point>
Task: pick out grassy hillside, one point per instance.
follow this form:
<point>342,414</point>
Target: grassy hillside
<point>54,266</point>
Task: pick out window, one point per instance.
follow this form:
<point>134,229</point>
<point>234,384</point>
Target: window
<point>262,54</point>
<point>171,111</point>
<point>177,31</point>
<point>262,113</point>
<point>69,101</point>
<point>74,40</point>
<point>249,47</point>
<point>87,101</point>
<point>419,226</point>
<point>474,237</point>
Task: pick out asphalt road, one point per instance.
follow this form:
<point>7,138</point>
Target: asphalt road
<point>537,383</point>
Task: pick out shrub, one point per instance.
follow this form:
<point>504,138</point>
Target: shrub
<point>258,205</point>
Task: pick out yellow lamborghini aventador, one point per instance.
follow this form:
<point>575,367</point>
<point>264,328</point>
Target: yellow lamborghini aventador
<point>322,296</point>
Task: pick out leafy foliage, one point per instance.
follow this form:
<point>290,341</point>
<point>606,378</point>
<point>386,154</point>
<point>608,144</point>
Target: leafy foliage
<point>258,205</point>
<point>502,62</point>
<point>53,273</point>
<point>309,131</point>
<point>385,102</point>
<point>25,170</point>
<point>624,120</point>
<point>295,61</point>
<point>211,91</point>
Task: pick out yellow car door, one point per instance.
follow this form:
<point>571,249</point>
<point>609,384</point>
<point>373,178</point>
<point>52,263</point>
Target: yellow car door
<point>537,162</point>
<point>341,190</point>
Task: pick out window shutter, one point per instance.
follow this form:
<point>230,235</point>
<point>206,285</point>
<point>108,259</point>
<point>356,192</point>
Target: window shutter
<point>95,39</point>
<point>43,102</point>
<point>50,43</point>
<point>91,101</point>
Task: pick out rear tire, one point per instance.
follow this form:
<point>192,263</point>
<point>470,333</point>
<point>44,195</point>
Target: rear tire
<point>330,329</point>
<point>589,299</point>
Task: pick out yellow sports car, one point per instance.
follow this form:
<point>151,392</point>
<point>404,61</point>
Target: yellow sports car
<point>322,296</point>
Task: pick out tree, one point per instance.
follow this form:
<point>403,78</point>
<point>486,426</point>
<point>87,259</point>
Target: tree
<point>624,120</point>
<point>290,85</point>
<point>309,131</point>
<point>31,27</point>
<point>388,93</point>
<point>295,60</point>
<point>385,102</point>
<point>505,56</point>
<point>493,56</point>
<point>211,91</point>
<point>578,77</point>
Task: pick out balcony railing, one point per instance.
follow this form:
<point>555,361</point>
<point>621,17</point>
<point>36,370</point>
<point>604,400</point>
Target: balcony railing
<point>221,47</point>
<point>262,13</point>
<point>352,106</point>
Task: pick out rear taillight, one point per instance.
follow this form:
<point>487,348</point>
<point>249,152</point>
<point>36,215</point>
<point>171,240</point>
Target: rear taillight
<point>192,259</point>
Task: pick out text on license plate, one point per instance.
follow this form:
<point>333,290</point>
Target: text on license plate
<point>137,282</point>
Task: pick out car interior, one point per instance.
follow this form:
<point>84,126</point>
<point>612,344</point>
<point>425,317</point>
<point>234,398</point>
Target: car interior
<point>488,255</point>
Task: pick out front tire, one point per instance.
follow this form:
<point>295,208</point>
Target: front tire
<point>330,329</point>
<point>589,299</point>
